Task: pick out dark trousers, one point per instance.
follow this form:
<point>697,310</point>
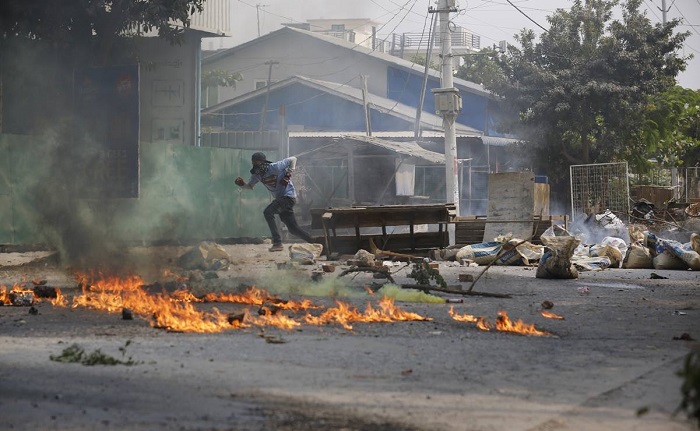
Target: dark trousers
<point>284,206</point>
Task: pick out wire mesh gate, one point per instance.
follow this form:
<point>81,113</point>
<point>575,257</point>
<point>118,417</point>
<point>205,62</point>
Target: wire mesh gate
<point>692,184</point>
<point>597,187</point>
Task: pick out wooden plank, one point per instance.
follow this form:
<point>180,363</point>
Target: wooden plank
<point>419,242</point>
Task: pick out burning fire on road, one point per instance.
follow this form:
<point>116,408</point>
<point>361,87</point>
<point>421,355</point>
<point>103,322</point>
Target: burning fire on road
<point>550,315</point>
<point>180,310</point>
<point>503,323</point>
<point>177,311</point>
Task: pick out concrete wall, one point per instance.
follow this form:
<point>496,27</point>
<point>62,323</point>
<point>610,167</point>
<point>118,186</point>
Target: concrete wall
<point>187,194</point>
<point>168,91</point>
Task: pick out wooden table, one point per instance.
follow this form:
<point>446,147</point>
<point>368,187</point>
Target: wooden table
<point>357,222</point>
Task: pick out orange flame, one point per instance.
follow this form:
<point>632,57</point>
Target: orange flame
<point>345,314</point>
<point>176,311</point>
<point>252,296</point>
<point>6,297</point>
<point>279,320</point>
<point>503,323</point>
<point>184,295</point>
<point>462,317</point>
<point>550,315</point>
<point>255,296</point>
<point>60,300</point>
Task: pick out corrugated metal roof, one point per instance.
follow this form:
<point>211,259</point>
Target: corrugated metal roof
<point>380,134</point>
<point>411,149</point>
<point>352,94</point>
<point>400,62</point>
<point>498,141</point>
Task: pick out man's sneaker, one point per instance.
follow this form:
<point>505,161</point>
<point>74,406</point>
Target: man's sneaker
<point>277,247</point>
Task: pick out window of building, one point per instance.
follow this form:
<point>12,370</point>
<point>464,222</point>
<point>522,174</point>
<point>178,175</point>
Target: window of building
<point>211,96</point>
<point>262,83</point>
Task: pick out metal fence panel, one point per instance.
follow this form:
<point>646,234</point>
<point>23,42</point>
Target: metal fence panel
<point>597,187</point>
<point>692,183</point>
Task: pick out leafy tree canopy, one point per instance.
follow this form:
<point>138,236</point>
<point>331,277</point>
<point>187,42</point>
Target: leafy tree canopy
<point>581,91</point>
<point>420,59</point>
<point>220,78</point>
<point>671,134</point>
<point>481,68</point>
<point>95,22</point>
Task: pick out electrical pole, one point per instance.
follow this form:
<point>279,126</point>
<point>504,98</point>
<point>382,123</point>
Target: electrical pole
<point>365,103</point>
<point>663,11</point>
<point>674,170</point>
<point>448,103</point>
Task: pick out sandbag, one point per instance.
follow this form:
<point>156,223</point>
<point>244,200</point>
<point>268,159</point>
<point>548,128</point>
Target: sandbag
<point>616,242</point>
<point>637,257</point>
<point>684,252</point>
<point>556,260</point>
<point>695,242</point>
<point>207,256</point>
<point>364,258</point>
<point>483,253</point>
<point>305,252</point>
<point>649,240</point>
<point>667,260</point>
<point>608,251</point>
<point>598,263</point>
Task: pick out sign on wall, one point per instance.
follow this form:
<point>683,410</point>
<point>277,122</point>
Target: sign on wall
<point>106,126</point>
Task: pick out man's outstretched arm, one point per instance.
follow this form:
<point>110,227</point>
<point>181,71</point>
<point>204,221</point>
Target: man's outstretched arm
<point>240,182</point>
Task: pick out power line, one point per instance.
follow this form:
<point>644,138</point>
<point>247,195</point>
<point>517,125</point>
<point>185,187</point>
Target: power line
<point>526,16</point>
<point>684,18</point>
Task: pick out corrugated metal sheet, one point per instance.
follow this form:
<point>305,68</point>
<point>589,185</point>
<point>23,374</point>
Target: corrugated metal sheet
<point>411,149</point>
<point>215,18</point>
<point>268,140</point>
<point>497,141</point>
<point>406,148</point>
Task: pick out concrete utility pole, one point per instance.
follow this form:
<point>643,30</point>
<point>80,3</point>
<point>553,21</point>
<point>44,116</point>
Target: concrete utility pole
<point>448,103</point>
<point>674,171</point>
<point>664,11</point>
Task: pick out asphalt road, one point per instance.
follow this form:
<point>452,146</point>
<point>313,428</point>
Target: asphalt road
<point>609,365</point>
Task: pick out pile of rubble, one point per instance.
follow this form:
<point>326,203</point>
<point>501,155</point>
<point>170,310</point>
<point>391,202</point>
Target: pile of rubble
<point>602,241</point>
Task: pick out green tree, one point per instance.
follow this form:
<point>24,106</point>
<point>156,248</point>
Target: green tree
<point>71,22</point>
<point>420,59</point>
<point>671,133</point>
<point>43,41</point>
<point>581,91</point>
<point>481,68</point>
<point>220,78</point>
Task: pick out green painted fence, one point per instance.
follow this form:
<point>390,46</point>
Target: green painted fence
<point>186,194</point>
